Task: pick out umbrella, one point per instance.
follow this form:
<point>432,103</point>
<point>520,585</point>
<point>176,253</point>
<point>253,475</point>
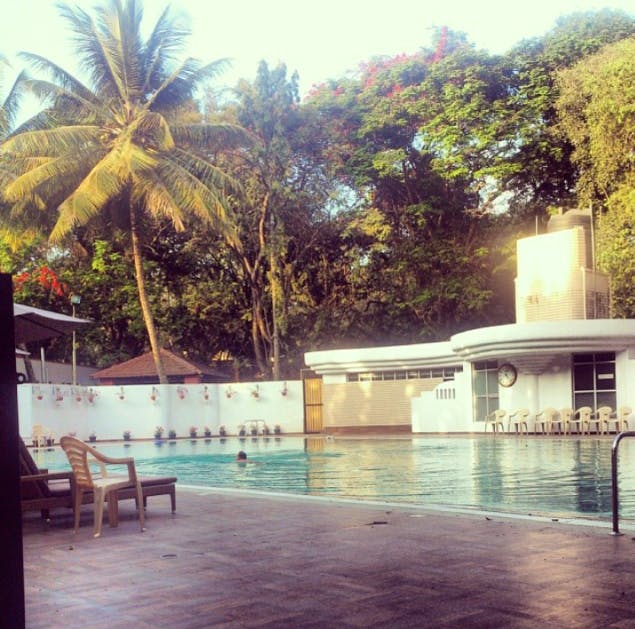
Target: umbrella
<point>35,324</point>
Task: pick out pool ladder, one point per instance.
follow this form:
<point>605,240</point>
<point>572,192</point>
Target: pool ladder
<point>615,492</point>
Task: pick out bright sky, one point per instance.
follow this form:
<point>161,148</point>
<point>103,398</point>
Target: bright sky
<point>321,39</point>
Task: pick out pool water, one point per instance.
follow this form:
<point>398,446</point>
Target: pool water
<point>558,476</point>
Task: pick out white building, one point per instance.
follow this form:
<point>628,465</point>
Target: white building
<point>563,352</point>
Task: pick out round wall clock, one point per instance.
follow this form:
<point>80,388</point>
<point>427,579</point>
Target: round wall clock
<point>507,375</point>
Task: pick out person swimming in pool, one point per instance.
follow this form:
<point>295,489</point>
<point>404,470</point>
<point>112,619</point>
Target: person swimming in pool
<point>241,457</point>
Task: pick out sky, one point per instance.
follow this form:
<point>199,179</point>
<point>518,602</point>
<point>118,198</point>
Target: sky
<point>320,39</point>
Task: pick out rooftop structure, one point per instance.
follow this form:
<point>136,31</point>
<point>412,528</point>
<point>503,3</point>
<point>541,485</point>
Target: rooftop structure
<point>142,370</point>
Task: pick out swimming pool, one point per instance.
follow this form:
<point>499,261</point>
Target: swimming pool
<point>559,476</point>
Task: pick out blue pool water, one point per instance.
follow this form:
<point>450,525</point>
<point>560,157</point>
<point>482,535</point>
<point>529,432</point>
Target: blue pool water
<point>559,477</point>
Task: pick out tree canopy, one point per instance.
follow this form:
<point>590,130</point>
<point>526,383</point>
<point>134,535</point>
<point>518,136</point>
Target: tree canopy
<point>382,208</point>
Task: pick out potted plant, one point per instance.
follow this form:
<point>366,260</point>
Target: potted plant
<point>193,432</point>
<point>265,430</point>
<point>127,435</point>
<point>172,433</point>
<point>254,430</point>
<point>158,432</point>
<point>242,430</point>
<point>276,429</point>
<point>207,432</point>
<point>92,437</point>
<point>222,431</point>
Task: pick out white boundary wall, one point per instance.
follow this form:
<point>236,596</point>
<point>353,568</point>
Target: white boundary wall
<point>110,410</point>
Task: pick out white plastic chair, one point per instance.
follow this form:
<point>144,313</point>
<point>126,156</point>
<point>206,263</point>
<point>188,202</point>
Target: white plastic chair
<point>518,419</point>
<point>624,412</point>
<point>601,417</point>
<point>495,419</point>
<point>580,419</point>
<point>546,420</point>
<point>102,486</point>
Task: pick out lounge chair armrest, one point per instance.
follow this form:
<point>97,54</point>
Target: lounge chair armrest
<point>46,476</point>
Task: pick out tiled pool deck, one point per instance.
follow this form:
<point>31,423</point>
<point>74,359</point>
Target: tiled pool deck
<point>229,560</point>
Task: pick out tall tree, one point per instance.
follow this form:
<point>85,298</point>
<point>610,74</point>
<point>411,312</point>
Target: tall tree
<point>419,140</point>
<point>597,115</point>
<point>114,148</point>
<point>280,173</point>
<point>541,171</point>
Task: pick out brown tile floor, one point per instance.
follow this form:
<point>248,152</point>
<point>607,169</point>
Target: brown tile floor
<point>228,560</point>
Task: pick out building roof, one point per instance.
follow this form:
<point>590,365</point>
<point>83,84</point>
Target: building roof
<point>143,367</point>
<point>546,337</point>
<point>382,358</point>
<point>532,346</point>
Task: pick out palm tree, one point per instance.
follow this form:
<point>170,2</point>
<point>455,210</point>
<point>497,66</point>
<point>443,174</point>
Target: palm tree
<point>11,102</point>
<point>116,144</point>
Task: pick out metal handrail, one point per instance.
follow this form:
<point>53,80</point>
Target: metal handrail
<point>615,491</point>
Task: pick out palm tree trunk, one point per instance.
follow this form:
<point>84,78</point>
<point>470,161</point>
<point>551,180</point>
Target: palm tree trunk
<point>258,335</point>
<point>275,287</point>
<point>143,298</point>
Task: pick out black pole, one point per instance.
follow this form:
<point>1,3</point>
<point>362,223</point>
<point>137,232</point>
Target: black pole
<point>11,557</point>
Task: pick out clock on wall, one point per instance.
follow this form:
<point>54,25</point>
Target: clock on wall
<point>507,375</point>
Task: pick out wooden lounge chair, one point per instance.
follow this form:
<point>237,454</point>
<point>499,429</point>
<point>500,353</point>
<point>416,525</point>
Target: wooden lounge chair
<point>43,491</point>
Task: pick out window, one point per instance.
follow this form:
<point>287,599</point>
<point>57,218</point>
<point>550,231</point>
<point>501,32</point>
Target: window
<point>447,373</point>
<point>594,380</point>
<point>485,389</point>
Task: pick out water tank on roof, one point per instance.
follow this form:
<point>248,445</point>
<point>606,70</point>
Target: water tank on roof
<point>569,219</point>
<point>575,218</point>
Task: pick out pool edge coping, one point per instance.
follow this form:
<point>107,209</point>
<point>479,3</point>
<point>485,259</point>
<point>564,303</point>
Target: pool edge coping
<point>600,525</point>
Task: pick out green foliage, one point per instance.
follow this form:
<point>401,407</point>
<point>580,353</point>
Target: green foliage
<point>597,114</point>
<point>382,209</point>
<point>110,144</point>
<point>616,244</point>
<point>541,169</point>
